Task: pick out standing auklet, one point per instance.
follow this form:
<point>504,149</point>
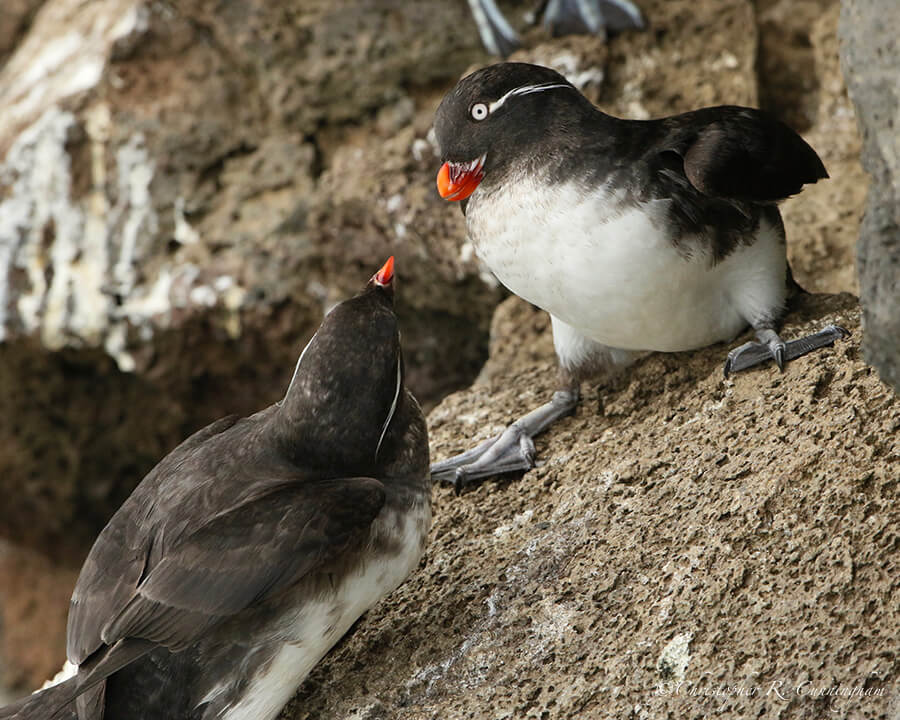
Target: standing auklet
<point>635,235</point>
<point>251,548</point>
<point>561,17</point>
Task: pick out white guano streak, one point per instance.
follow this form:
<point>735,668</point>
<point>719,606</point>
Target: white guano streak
<point>64,53</point>
<point>71,251</point>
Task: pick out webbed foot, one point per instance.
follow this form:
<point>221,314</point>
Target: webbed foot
<point>772,347</point>
<point>561,17</point>
<point>511,450</point>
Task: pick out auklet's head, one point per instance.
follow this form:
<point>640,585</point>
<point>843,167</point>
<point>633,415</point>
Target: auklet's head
<point>497,116</point>
<point>349,380</point>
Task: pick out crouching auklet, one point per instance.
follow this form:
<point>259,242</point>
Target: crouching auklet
<point>635,235</point>
<point>251,548</point>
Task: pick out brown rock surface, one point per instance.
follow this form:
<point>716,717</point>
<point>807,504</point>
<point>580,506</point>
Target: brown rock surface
<point>725,533</point>
<point>801,81</point>
<point>15,16</point>
<point>32,591</point>
<point>738,536</point>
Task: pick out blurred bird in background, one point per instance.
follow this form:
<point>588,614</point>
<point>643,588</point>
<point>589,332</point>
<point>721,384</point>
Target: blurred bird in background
<point>560,17</point>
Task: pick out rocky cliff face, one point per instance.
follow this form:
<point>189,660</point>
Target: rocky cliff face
<point>186,189</point>
<point>689,546</point>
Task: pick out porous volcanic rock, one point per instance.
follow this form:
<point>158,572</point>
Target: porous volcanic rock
<point>686,542</point>
<point>689,546</point>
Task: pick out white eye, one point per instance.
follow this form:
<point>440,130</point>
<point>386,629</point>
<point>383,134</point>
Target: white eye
<point>479,111</point>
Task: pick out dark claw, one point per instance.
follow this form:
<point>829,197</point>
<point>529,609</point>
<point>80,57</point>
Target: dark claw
<point>779,357</point>
<point>526,446</point>
<point>747,356</point>
<point>459,480</point>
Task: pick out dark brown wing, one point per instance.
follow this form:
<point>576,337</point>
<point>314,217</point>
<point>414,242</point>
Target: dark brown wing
<point>744,154</point>
<point>115,563</point>
<point>255,550</point>
<point>209,531</point>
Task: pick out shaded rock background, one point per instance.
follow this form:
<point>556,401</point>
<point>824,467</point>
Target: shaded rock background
<point>172,233</point>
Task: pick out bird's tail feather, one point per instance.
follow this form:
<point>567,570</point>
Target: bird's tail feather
<point>54,703</point>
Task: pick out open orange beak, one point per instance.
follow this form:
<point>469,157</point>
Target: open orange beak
<point>456,181</point>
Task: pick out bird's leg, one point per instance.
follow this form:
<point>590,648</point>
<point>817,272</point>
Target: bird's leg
<point>538,10</point>
<point>497,35</point>
<point>580,358</point>
<point>594,17</point>
<point>511,450</point>
<point>561,17</point>
<point>772,347</point>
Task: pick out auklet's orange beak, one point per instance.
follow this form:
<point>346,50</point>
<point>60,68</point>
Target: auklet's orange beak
<point>384,276</point>
<point>456,181</point>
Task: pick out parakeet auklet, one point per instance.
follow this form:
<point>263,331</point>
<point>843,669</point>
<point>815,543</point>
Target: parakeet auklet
<point>251,548</point>
<point>635,235</point>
